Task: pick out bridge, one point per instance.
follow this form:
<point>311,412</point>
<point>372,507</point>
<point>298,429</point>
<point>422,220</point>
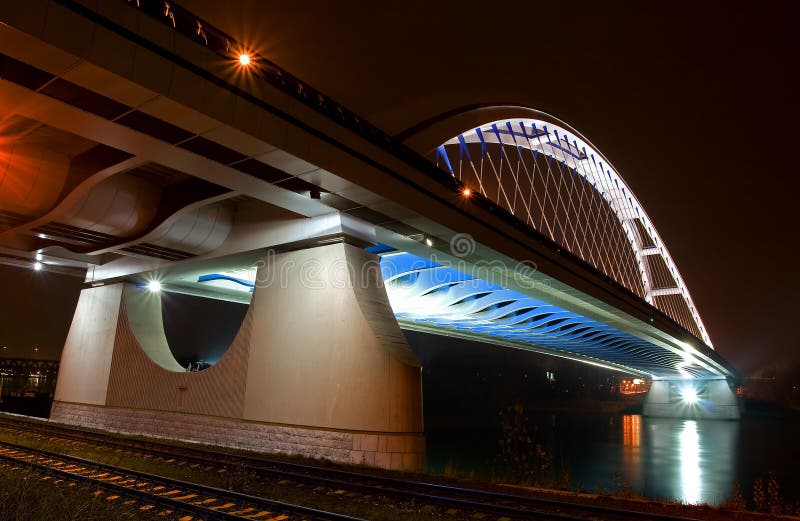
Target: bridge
<point>149,152</point>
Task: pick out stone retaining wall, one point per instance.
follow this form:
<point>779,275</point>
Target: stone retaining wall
<point>384,450</point>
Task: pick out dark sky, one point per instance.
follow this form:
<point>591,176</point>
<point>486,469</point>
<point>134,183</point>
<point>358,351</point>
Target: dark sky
<point>694,103</point>
<point>696,106</point>
<point>36,309</point>
<point>200,340</point>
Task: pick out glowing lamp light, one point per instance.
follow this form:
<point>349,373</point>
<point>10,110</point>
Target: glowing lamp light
<point>637,381</point>
<point>428,242</point>
<point>154,286</point>
<point>37,266</point>
<point>244,59</point>
<point>689,395</point>
<point>466,192</point>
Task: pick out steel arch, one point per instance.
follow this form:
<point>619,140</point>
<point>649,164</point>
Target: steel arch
<point>503,141</point>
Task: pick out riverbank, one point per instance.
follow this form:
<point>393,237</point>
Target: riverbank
<point>622,497</point>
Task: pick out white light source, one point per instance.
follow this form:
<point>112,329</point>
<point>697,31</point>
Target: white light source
<point>428,241</point>
<point>154,286</point>
<point>244,59</point>
<point>689,394</point>
<point>37,266</point>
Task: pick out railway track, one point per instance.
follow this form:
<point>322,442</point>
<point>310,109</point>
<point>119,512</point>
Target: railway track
<point>468,502</point>
<point>187,501</point>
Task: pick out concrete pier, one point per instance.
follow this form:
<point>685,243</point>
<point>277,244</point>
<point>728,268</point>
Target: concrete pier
<point>319,367</point>
<point>693,399</point>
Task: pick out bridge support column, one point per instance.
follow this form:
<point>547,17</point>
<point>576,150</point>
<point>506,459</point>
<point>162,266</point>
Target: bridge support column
<point>694,399</point>
<point>319,367</point>
<point>327,355</point>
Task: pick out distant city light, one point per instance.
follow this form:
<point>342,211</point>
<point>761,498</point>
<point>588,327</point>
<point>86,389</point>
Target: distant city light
<point>637,381</point>
<point>244,59</point>
<point>154,286</point>
<point>689,394</point>
<point>37,266</point>
<point>466,192</point>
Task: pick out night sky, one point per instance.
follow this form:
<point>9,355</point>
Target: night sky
<point>36,309</point>
<point>695,105</point>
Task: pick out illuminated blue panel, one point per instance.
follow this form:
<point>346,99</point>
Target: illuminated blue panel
<point>440,299</point>
<point>211,277</point>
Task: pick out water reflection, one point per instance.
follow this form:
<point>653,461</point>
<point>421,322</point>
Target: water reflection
<point>689,448</point>
<point>33,383</point>
<point>631,447</point>
<point>693,461</point>
<point>632,430</point>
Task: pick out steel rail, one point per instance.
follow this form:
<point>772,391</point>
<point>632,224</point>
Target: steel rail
<point>27,456</point>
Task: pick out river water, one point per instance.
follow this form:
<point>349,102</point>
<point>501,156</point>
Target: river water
<point>693,461</point>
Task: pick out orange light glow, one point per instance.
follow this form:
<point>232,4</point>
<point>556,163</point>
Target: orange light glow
<point>244,59</point>
<point>467,192</point>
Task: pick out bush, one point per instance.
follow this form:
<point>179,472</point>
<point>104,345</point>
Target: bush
<point>525,460</point>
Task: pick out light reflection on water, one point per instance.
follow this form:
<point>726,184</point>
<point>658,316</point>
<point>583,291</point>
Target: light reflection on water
<point>16,383</point>
<point>694,461</point>
<point>632,446</point>
<point>689,448</point>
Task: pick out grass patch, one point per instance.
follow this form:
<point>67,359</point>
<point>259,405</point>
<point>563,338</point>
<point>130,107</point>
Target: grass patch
<point>28,495</point>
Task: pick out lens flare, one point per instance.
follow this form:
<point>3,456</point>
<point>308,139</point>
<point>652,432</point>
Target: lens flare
<point>689,395</point>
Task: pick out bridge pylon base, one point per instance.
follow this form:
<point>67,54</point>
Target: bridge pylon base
<point>319,367</point>
<point>692,399</point>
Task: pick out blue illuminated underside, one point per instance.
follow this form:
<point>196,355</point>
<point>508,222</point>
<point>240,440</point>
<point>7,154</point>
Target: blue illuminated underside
<point>439,297</point>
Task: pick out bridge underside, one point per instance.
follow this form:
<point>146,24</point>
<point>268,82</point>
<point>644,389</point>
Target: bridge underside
<point>436,297</point>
